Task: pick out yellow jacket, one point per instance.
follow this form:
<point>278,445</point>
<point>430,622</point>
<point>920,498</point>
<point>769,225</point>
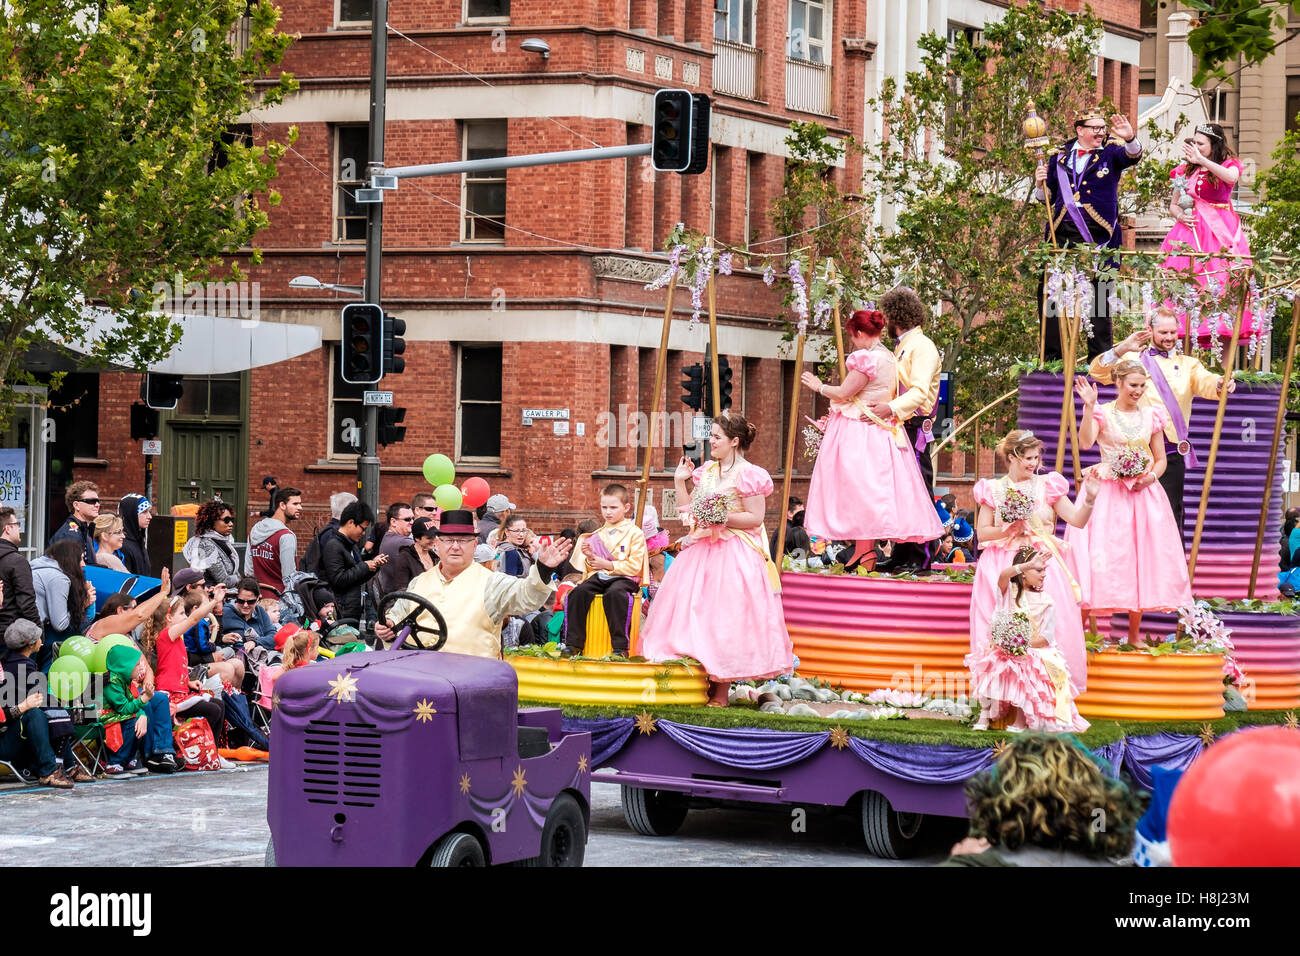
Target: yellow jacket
<point>918,375</point>
<point>626,544</point>
<point>1185,374</point>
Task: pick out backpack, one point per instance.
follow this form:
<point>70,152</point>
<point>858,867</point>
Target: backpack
<point>195,746</point>
<point>311,559</point>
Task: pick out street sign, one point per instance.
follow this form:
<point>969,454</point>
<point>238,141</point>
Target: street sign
<point>551,414</point>
<point>701,427</point>
<point>376,398</point>
<point>152,447</point>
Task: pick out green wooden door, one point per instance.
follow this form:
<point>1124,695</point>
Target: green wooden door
<point>207,464</point>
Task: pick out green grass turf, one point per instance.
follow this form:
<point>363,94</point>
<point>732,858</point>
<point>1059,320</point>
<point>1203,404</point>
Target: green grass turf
<point>911,731</point>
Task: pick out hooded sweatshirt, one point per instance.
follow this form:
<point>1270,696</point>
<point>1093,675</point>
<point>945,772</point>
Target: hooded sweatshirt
<point>272,553</point>
<point>134,554</point>
<point>52,586</point>
<point>120,698</point>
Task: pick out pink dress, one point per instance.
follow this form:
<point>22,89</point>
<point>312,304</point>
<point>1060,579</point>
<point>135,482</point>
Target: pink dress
<point>866,483</point>
<point>1217,229</point>
<point>1037,683</point>
<point>718,603</point>
<point>1060,578</point>
<point>1130,554</point>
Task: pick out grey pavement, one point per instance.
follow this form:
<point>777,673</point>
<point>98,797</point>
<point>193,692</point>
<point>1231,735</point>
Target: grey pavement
<point>219,819</point>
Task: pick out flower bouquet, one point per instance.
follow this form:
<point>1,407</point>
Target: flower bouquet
<point>1128,463</point>
<point>710,510</point>
<point>812,436</point>
<point>1016,506</point>
<point>1011,633</point>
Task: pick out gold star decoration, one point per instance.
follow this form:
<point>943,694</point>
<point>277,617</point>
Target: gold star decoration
<point>519,783</point>
<point>464,783</point>
<point>999,748</point>
<point>1291,722</point>
<point>582,763</point>
<point>839,737</point>
<point>343,689</point>
<point>645,723</point>
<point>1206,734</point>
<point>424,711</point>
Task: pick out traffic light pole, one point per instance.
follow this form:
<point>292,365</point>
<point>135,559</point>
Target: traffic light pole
<point>368,463</point>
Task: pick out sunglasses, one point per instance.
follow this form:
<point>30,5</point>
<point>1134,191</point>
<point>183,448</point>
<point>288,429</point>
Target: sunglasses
<point>245,602</point>
<point>89,501</point>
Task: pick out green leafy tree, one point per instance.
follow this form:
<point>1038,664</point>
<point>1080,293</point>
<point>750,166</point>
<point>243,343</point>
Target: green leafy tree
<point>116,170</point>
<point>1226,29</point>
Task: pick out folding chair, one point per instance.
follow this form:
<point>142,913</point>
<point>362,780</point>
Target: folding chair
<point>89,749</point>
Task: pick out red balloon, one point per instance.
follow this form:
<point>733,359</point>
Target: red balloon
<point>475,491</point>
<point>1239,804</point>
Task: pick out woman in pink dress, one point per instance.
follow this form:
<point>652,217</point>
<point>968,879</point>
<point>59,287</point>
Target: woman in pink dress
<point>866,483</point>
<point>720,600</point>
<point>1131,553</point>
<point>1210,225</point>
<point>1040,499</point>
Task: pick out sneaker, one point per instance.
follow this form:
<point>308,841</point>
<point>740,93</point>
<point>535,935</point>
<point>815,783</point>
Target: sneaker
<point>177,763</point>
<point>114,770</point>
<point>56,779</point>
<point>135,768</point>
<point>79,775</point>
<point>159,764</point>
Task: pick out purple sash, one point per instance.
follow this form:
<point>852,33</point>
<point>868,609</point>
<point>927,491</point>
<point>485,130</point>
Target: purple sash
<point>1166,393</point>
<point>1067,198</point>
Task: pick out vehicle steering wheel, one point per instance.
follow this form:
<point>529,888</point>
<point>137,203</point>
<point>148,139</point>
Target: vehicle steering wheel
<point>410,626</point>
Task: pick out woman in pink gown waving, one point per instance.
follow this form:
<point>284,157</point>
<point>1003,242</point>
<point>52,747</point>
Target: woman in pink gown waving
<point>1210,225</point>
<point>1020,510</point>
<point>866,483</point>
<point>1131,552</point>
<point>720,600</point>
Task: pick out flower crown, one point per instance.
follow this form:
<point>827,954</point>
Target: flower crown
<point>1208,130</point>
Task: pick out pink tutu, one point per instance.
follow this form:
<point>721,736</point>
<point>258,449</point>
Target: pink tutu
<point>1024,682</point>
<point>865,487</point>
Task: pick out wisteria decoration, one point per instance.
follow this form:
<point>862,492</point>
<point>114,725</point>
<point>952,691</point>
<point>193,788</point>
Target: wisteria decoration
<point>769,276</point>
<point>800,286</point>
<point>703,272</point>
<point>724,264</point>
<point>674,267</point>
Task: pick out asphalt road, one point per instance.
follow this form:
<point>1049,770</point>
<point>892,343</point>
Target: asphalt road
<point>219,819</point>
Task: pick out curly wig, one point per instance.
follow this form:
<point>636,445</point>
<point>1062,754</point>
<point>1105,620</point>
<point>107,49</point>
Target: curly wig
<point>208,514</point>
<point>1049,791</point>
<point>903,309</point>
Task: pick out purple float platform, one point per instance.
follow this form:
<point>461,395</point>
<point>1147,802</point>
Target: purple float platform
<point>1228,541</point>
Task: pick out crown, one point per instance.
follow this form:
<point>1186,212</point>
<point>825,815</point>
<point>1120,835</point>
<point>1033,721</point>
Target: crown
<point>1208,130</point>
<point>1091,113</point>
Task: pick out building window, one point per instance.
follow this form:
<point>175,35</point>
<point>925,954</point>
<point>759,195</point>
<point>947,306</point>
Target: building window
<point>483,195</point>
<point>1149,14</point>
<point>1147,87</point>
<point>351,148</point>
<point>487,10</point>
<point>478,403</point>
<point>810,27</point>
<point>347,414</point>
<point>210,396</point>
<point>1292,103</point>
<point>350,12</point>
<point>733,21</point>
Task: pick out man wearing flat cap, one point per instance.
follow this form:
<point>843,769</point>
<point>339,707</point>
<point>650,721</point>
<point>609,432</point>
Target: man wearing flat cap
<point>473,600</point>
<point>1081,180</point>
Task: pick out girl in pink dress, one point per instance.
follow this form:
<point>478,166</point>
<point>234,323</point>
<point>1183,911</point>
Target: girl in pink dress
<point>1131,553</point>
<point>1210,225</point>
<point>866,483</point>
<point>1042,498</point>
<point>1032,680</point>
<point>720,601</point>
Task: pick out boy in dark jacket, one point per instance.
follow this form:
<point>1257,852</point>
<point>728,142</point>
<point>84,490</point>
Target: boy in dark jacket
<point>341,560</point>
<point>143,716</point>
<point>136,512</point>
<point>19,594</point>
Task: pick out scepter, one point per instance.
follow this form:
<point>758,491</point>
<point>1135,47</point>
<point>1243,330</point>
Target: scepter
<point>1036,138</point>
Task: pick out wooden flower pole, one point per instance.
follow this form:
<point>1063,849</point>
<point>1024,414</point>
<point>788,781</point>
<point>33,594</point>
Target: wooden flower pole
<point>713,342</point>
<point>1036,138</point>
<point>1272,457</point>
<point>1228,361</point>
<point>661,370</point>
<point>789,448</point>
<point>1069,356</point>
<point>839,329</point>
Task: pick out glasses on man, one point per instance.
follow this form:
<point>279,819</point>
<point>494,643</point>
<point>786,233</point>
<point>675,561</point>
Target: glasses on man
<point>1097,129</point>
<point>245,601</point>
<point>460,541</point>
<point>405,518</point>
<point>89,501</point>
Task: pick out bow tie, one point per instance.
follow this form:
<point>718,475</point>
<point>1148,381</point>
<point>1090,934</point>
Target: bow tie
<point>1083,152</point>
<point>1163,354</point>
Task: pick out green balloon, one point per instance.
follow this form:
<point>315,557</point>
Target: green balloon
<point>438,470</point>
<point>98,662</point>
<point>448,497</point>
<point>82,647</point>
<point>68,678</point>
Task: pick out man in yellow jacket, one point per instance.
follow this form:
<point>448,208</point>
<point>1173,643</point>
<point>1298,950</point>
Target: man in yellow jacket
<point>918,374</point>
<point>473,600</point>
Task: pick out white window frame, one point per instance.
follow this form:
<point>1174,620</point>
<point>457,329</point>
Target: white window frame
<point>460,369</point>
<point>724,16</point>
<point>466,18</point>
<point>466,180</point>
<point>333,452</point>
<point>339,22</point>
<point>823,42</point>
<point>340,183</point>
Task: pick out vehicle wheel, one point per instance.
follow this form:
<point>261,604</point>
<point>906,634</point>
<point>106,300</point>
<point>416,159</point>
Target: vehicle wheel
<point>564,837</point>
<point>457,849</point>
<point>654,812</point>
<point>889,834</point>
<point>270,853</point>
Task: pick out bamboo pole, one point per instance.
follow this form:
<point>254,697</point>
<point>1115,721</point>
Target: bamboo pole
<point>1272,457</point>
<point>1067,377</point>
<point>1069,395</point>
<point>839,329</point>
<point>1042,328</point>
<point>1229,360</point>
<point>789,450</point>
<point>975,418</point>
<point>661,371</point>
<point>713,347</point>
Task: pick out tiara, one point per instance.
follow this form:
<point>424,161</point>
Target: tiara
<point>1208,130</point>
<point>1027,434</point>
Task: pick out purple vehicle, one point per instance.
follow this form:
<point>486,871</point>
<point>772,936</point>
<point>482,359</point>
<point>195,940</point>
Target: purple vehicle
<point>412,758</point>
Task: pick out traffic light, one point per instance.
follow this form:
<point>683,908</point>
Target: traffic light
<point>707,407</point>
<point>362,353</point>
<point>693,383</point>
<point>724,381</point>
<point>391,431</point>
<point>144,421</point>
<point>699,134</point>
<point>394,344</point>
<point>162,391</point>
<point>671,137</point>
